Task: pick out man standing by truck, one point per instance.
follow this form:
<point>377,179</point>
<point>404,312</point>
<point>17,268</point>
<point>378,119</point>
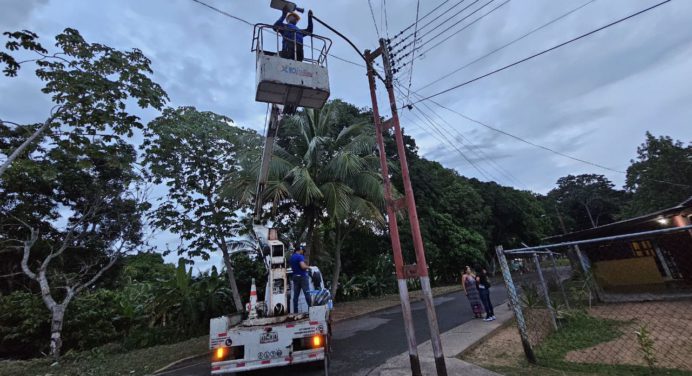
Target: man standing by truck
<point>300,277</point>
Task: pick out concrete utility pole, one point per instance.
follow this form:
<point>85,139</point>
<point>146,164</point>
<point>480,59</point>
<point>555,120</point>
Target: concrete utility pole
<point>419,269</point>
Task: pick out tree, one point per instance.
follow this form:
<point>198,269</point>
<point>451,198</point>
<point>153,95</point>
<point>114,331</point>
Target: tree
<point>318,166</point>
<point>515,216</point>
<point>89,84</point>
<point>588,198</point>
<point>88,187</point>
<point>194,153</point>
<point>661,176</point>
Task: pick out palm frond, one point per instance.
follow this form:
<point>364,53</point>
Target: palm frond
<point>344,165</point>
<point>303,188</point>
<point>336,196</point>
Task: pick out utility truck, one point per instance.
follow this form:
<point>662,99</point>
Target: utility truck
<point>269,333</point>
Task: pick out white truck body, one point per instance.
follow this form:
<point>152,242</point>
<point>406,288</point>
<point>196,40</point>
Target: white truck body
<point>244,345</point>
<point>270,342</point>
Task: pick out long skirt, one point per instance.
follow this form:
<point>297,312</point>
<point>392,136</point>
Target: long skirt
<point>475,300</point>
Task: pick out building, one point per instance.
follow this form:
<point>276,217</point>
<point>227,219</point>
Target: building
<point>649,263</point>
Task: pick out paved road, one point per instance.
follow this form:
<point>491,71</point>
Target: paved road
<point>366,342</point>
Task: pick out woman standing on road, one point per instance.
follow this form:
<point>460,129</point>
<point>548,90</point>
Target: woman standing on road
<point>468,281</point>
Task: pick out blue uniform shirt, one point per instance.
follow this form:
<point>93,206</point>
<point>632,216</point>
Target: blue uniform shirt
<point>293,33</point>
<point>295,261</point>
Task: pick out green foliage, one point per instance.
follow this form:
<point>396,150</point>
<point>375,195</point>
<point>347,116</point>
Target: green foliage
<point>589,200</point>
<point>579,331</point>
<point>646,345</point>
<point>661,176</point>
<point>24,325</point>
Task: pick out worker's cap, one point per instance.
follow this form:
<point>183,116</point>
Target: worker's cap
<point>294,14</point>
<point>301,247</point>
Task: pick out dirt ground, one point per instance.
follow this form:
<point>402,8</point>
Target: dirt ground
<point>346,310</point>
<point>670,325</point>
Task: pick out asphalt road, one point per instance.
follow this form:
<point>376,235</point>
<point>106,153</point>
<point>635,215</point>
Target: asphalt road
<point>363,343</point>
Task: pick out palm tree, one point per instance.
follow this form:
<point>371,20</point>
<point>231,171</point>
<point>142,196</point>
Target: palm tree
<point>327,170</point>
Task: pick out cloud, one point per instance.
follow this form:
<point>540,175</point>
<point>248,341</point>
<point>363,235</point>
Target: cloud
<point>593,99</point>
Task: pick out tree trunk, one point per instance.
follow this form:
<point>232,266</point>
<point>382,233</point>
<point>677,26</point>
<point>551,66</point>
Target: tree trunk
<point>588,211</point>
<point>57,315</point>
<point>337,266</point>
<point>231,276</point>
<point>15,154</point>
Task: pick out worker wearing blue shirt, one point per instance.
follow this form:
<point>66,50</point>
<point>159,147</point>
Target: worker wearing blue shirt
<point>292,46</point>
<point>300,276</point>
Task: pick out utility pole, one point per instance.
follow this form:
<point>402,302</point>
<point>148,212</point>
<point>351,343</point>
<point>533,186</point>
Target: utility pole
<point>419,269</point>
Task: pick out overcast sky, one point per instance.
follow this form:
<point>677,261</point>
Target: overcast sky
<point>593,99</point>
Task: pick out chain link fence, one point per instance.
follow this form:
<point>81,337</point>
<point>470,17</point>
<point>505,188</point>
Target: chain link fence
<point>620,306</point>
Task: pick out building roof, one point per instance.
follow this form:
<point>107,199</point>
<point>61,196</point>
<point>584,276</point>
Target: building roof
<point>636,224</point>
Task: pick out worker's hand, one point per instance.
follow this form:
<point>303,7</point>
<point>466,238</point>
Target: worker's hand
<point>285,10</point>
<point>310,13</point>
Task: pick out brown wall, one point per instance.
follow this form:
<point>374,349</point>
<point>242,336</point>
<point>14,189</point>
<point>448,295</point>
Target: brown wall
<point>627,272</point>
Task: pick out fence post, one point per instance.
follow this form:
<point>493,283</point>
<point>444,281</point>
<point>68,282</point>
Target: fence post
<point>516,305</point>
<point>546,293</point>
<point>557,277</point>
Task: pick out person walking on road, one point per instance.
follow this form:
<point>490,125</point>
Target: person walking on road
<point>300,277</point>
<point>468,282</point>
<point>483,283</point>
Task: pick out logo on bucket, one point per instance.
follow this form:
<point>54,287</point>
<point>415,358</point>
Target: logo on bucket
<point>297,71</point>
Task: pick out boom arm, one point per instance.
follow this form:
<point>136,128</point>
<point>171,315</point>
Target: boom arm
<point>272,130</point>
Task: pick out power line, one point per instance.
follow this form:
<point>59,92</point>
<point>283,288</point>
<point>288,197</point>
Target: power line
<point>463,28</point>
<point>431,22</point>
<point>251,24</point>
<point>447,29</point>
<point>415,37</point>
<point>544,51</point>
<point>507,174</point>
<point>507,44</point>
<point>445,139</point>
<point>222,12</point>
<point>422,18</point>
<point>372,13</point>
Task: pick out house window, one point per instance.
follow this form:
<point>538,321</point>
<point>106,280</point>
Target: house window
<point>643,248</point>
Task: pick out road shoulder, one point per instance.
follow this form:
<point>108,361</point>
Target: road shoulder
<point>454,342</point>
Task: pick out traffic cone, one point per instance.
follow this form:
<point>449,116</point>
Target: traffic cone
<point>253,300</point>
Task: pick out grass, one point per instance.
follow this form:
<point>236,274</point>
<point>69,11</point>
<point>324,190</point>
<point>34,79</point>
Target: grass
<point>113,359</point>
<point>109,360</point>
<point>501,352</point>
<point>582,331</point>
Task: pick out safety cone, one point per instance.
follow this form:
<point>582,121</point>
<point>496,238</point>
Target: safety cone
<point>253,300</point>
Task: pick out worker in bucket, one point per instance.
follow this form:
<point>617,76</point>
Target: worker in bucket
<point>300,276</point>
<point>292,45</point>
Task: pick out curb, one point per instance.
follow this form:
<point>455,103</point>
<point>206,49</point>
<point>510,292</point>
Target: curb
<point>175,363</point>
<point>490,333</point>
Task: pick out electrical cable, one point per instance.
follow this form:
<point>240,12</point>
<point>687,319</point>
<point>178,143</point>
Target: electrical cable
<point>507,174</point>
<point>544,51</point>
<point>434,28</point>
<point>422,18</point>
<point>250,24</point>
<point>445,139</point>
<point>507,44</point>
<point>372,13</point>
<point>415,38</point>
<point>462,29</point>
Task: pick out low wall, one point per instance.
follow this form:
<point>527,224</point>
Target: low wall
<point>639,271</point>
